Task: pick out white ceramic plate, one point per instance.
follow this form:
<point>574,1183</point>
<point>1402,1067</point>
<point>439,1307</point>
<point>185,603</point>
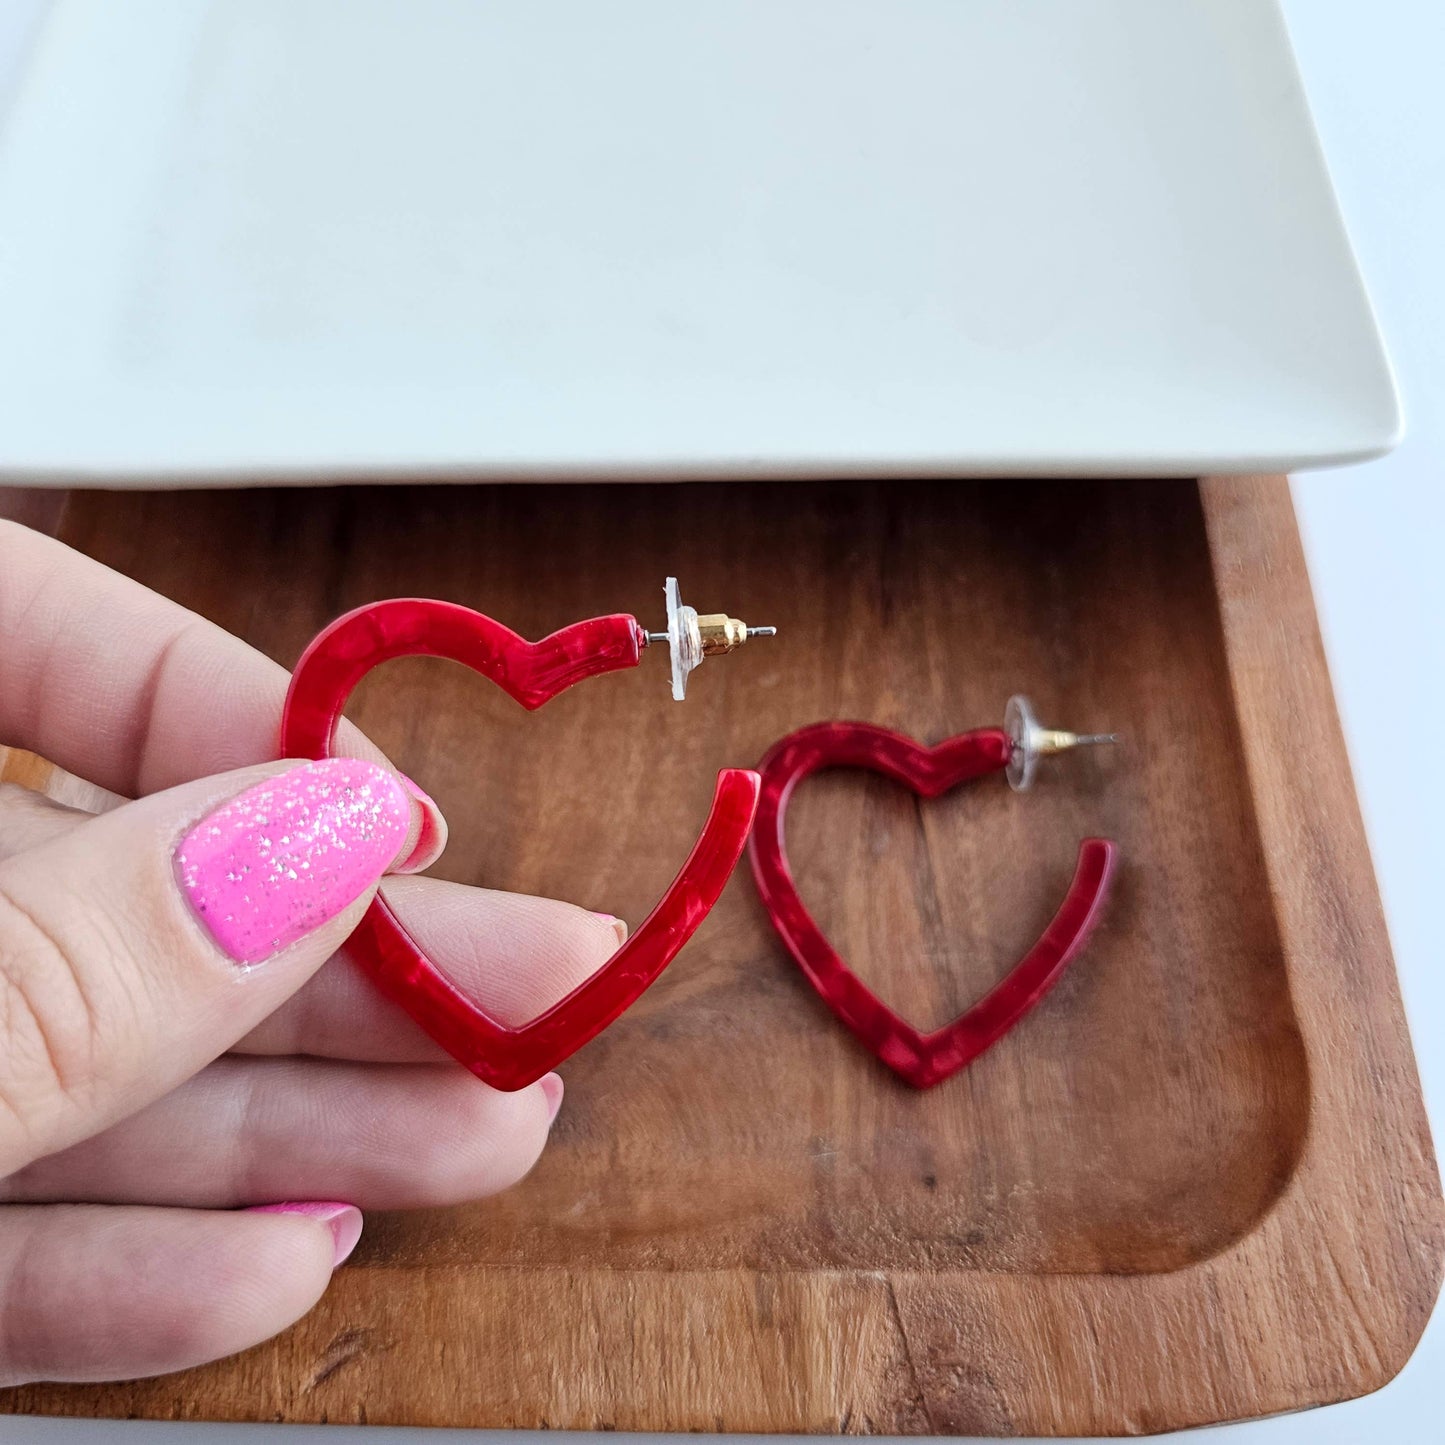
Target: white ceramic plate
<point>291,239</point>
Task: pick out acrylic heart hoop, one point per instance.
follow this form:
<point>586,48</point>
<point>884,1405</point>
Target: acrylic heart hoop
<point>923,1059</point>
<point>532,673</point>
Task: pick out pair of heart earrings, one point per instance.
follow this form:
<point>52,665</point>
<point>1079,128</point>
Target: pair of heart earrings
<point>747,804</point>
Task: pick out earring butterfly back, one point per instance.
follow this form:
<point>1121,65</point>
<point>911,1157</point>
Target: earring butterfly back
<point>1029,741</point>
<point>690,637</point>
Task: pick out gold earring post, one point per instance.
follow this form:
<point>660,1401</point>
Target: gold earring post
<point>690,637</point>
<point>1029,741</point>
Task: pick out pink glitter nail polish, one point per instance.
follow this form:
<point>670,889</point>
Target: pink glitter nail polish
<point>344,1221</point>
<point>432,835</point>
<point>278,860</point>
<point>552,1091</point>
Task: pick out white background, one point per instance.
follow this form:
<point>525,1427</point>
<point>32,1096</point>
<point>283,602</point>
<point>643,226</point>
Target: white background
<point>1375,536</point>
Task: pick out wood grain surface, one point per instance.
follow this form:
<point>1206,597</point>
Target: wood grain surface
<point>1196,1184</point>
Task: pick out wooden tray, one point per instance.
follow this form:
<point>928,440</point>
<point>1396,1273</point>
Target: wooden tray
<point>1196,1185</point>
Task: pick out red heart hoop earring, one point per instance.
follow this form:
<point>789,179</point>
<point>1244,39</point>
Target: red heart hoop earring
<point>532,673</point>
<point>1015,749</point>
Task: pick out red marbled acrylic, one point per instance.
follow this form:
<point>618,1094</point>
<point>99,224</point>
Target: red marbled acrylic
<point>923,1059</point>
<point>532,673</point>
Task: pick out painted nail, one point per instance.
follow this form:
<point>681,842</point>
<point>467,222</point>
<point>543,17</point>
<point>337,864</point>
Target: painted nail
<point>432,836</point>
<point>344,1219</point>
<point>552,1089</point>
<point>278,860</point>
<point>618,926</point>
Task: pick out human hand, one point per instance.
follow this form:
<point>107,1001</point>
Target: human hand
<point>173,1067</point>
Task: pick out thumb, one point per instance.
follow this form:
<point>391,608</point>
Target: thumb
<point>141,944</point>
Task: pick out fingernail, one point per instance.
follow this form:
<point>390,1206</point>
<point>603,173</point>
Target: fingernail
<point>432,837</point>
<point>278,860</point>
<point>344,1219</point>
<point>552,1090</point>
<point>618,926</point>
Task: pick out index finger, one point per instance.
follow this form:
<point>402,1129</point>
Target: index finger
<point>122,686</point>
